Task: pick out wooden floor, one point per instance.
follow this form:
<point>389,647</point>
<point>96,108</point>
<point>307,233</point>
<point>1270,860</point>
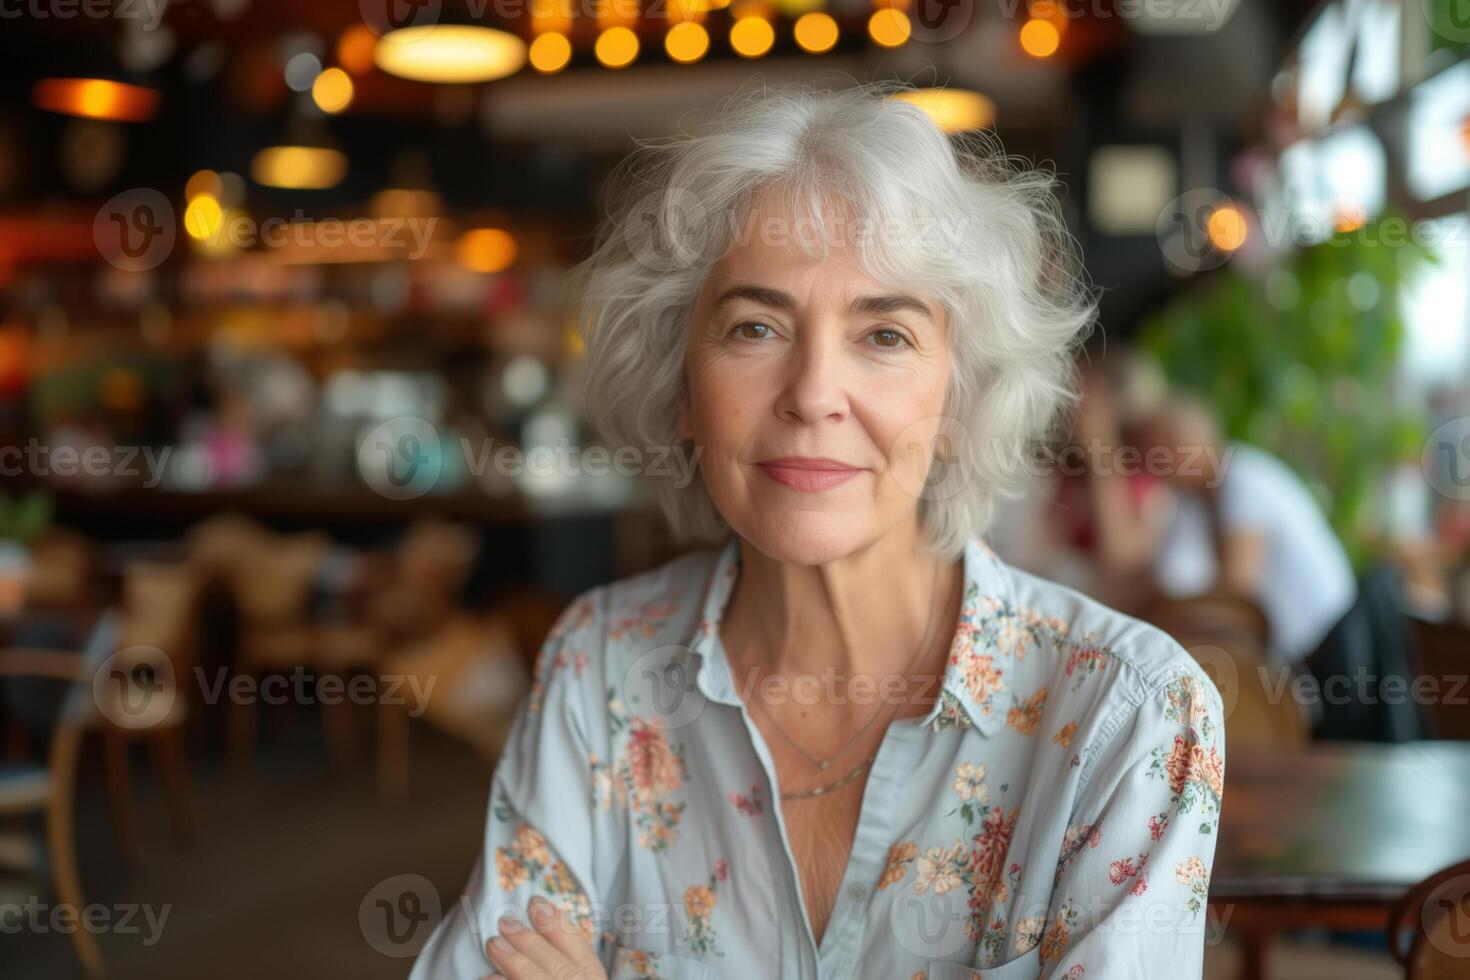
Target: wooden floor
<point>273,886</point>
<point>288,854</point>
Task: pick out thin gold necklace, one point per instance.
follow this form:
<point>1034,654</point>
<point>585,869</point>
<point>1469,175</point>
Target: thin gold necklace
<point>823,764</point>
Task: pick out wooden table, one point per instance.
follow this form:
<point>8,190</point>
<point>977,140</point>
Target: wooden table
<point>1331,835</point>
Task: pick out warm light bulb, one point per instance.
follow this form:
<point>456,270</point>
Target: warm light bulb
<point>889,27</point>
<point>686,43</point>
<point>815,32</point>
<point>752,36</point>
<point>617,47</point>
<point>332,91</point>
<point>450,53</point>
<point>1040,38</point>
<point>550,52</point>
<point>1226,227</point>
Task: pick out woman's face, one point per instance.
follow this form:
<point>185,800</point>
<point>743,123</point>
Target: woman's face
<point>814,393</point>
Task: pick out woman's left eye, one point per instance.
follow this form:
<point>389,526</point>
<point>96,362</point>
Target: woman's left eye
<point>753,330</point>
<point>888,338</point>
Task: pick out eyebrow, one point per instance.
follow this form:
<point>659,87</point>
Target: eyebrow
<point>863,305</point>
<point>880,305</point>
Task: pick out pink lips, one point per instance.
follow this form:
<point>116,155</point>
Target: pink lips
<point>808,474</point>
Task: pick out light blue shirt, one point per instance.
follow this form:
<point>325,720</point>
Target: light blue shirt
<point>1053,815</point>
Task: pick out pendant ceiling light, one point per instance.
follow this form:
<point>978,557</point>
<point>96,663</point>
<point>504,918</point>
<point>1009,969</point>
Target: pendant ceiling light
<point>450,53</point>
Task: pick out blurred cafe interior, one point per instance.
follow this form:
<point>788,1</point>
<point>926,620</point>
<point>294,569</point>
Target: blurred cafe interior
<point>256,254</point>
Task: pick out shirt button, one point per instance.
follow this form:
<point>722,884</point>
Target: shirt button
<point>857,892</point>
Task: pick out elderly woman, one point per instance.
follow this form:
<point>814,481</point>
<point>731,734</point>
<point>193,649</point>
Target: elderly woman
<point>848,741</point>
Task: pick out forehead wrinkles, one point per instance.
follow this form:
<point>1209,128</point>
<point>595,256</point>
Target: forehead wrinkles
<point>834,282</point>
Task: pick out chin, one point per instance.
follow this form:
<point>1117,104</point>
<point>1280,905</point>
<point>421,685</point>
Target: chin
<point>807,537</point>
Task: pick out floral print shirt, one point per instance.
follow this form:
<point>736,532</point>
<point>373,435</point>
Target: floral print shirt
<point>1053,815</point>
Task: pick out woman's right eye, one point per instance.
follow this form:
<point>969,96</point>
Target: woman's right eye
<point>753,330</point>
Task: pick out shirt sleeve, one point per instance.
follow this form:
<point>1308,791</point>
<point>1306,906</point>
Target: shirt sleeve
<point>1134,872</point>
<point>544,832</point>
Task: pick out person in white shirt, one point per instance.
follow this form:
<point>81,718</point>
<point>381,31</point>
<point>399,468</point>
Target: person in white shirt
<point>1272,542</point>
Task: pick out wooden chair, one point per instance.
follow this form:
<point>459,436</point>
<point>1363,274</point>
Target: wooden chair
<point>64,568</point>
<point>52,788</point>
<point>1211,616</point>
<point>1429,928</point>
<point>414,610</point>
<point>272,582</point>
<point>428,570</point>
<point>1260,711</point>
<point>215,543</point>
<point>159,613</point>
<point>1444,654</point>
<point>479,680</point>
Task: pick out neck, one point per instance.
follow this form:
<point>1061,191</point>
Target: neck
<point>885,610</point>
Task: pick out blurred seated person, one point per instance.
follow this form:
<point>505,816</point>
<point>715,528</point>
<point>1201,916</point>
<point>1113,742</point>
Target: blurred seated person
<point>1240,522</point>
<point>1055,528</point>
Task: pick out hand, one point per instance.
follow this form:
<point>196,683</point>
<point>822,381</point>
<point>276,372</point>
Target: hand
<point>555,949</point>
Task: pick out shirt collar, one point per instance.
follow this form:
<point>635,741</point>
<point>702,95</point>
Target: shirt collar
<point>977,676</point>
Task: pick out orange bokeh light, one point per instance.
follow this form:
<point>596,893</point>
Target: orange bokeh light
<point>1040,38</point>
<point>96,98</point>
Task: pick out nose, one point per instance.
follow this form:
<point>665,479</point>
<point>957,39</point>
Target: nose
<point>815,387</point>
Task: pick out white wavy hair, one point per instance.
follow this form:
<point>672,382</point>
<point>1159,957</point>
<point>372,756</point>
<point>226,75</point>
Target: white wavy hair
<point>978,232</point>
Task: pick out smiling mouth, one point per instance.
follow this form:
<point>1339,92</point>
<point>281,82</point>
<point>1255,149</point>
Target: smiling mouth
<point>806,474</point>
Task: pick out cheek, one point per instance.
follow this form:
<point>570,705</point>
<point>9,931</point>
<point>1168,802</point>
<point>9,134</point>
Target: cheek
<point>721,399</point>
<point>908,425</point>
<point>907,405</point>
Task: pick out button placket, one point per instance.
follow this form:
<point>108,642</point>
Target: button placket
<point>896,756</point>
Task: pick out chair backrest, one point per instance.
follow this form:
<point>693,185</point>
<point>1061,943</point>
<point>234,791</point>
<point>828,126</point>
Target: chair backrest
<point>81,704</point>
<point>1429,928</point>
<point>62,570</point>
<point>1260,711</point>
<point>273,585</point>
<point>429,569</point>
<point>1212,616</point>
<point>216,543</point>
<point>437,553</point>
<point>1444,655</point>
<point>160,608</point>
